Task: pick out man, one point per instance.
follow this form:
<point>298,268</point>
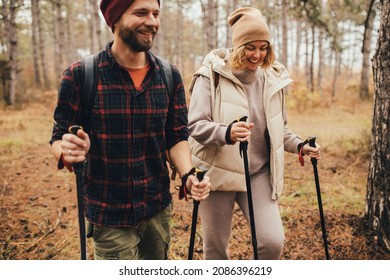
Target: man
<point>133,122</point>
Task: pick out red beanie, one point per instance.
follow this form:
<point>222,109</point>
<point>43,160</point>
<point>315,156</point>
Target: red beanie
<point>113,9</point>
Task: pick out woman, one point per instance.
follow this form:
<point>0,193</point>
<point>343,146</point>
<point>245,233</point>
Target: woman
<point>242,81</point>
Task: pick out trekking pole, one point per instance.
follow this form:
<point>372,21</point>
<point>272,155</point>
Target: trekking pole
<point>244,154</point>
<point>78,168</point>
<point>312,141</point>
<point>200,172</point>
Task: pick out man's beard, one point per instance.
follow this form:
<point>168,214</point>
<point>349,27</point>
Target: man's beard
<point>129,37</point>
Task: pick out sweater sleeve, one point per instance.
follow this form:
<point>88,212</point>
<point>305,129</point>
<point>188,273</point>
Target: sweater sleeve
<point>200,120</point>
<point>291,140</point>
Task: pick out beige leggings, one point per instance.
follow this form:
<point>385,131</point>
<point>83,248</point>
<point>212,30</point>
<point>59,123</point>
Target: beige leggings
<point>216,214</point>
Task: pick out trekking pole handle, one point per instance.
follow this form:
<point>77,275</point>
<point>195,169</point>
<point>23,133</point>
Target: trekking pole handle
<point>243,145</point>
<point>74,128</point>
<point>312,143</point>
<point>242,119</point>
<point>200,171</point>
<point>78,167</point>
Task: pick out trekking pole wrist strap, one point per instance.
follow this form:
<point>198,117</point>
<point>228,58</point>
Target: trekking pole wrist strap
<point>300,152</point>
<point>183,192</point>
<point>228,140</point>
<point>63,163</point>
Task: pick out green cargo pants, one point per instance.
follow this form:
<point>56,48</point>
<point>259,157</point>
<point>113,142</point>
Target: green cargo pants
<point>146,241</point>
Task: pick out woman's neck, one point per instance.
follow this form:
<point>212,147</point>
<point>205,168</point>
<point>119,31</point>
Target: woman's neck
<point>246,76</point>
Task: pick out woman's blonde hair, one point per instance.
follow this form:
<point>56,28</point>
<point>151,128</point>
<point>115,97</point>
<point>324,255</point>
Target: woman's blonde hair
<point>237,58</point>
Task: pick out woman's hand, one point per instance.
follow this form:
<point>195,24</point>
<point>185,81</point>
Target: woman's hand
<point>311,151</point>
<point>240,131</point>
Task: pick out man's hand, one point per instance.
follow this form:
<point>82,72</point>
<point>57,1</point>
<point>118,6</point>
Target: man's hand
<point>198,190</point>
<point>75,147</point>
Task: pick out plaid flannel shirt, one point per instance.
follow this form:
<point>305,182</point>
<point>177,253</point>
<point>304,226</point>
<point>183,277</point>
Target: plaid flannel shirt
<point>131,129</point>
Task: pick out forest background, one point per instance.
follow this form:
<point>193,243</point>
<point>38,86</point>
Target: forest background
<point>327,45</point>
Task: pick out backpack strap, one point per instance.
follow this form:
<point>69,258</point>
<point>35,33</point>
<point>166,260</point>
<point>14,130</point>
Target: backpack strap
<point>166,73</point>
<point>89,88</point>
<point>167,76</point>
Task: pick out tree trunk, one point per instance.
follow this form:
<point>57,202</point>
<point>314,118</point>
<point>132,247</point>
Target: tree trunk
<point>230,7</point>
<point>179,37</point>
<point>70,50</point>
<point>61,34</point>
<point>42,50</point>
<point>307,67</point>
<point>99,33</point>
<point>87,31</point>
<point>336,72</point>
<point>298,46</point>
<point>10,91</point>
<point>160,39</point>
<point>366,49</point>
<point>284,34</point>
<point>311,71</point>
<point>229,10</point>
<point>321,65</point>
<point>3,15</point>
<point>216,24</point>
<point>4,63</point>
<point>378,184</point>
<point>209,22</point>
<point>34,39</point>
<point>276,26</point>
<point>57,60</point>
<point>353,54</point>
<point>93,26</point>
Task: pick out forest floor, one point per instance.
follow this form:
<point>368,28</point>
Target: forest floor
<point>38,213</point>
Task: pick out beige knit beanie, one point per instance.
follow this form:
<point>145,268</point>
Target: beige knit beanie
<point>248,25</point>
